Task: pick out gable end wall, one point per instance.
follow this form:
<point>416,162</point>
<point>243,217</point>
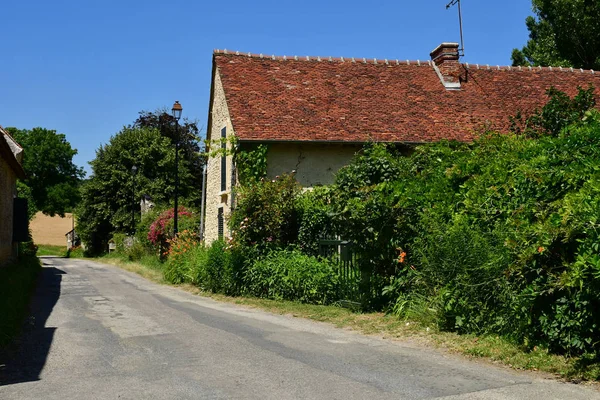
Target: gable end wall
<point>8,181</point>
<point>214,197</point>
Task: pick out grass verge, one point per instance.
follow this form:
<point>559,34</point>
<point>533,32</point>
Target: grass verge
<point>16,284</point>
<point>49,250</point>
<point>491,348</point>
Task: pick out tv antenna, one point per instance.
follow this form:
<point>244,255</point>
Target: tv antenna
<point>461,51</point>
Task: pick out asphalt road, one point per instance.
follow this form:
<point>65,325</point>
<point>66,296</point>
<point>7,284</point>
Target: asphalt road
<point>103,333</point>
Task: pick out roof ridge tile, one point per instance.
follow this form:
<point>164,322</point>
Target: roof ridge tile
<point>397,62</point>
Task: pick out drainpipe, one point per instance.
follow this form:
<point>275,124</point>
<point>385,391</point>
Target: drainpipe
<point>233,184</point>
<point>203,202</point>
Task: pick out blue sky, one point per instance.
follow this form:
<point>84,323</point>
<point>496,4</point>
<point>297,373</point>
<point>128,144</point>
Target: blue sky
<point>86,68</point>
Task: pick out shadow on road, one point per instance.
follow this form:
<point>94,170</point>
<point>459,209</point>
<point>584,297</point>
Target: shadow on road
<point>24,360</point>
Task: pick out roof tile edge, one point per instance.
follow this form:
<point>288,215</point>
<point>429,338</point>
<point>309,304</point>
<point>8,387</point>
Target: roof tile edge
<point>392,62</point>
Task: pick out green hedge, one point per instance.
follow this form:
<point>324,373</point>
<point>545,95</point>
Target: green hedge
<point>292,275</point>
<point>500,236</point>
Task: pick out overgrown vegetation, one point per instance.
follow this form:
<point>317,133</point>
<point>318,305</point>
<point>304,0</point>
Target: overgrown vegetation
<point>53,180</point>
<point>562,33</point>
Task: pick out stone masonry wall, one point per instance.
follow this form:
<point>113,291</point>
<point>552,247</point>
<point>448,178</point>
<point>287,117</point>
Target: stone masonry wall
<point>7,192</point>
<point>214,197</point>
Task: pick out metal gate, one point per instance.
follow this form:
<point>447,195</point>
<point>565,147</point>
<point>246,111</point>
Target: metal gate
<point>340,253</point>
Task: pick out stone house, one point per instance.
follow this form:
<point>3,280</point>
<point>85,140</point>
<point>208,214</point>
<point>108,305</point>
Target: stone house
<point>316,112</point>
<point>11,157</point>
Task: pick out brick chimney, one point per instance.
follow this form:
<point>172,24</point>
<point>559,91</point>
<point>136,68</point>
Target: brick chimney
<point>446,64</point>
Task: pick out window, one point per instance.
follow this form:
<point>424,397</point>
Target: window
<point>220,222</point>
<point>223,160</point>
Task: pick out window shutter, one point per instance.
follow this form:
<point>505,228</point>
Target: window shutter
<point>223,160</point>
<point>20,220</point>
<point>220,222</point>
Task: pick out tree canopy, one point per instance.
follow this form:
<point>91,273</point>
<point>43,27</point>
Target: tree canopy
<point>52,183</point>
<point>188,135</point>
<point>108,197</point>
<point>563,33</point>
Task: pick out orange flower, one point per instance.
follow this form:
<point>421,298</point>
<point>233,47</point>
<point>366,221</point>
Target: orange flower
<point>541,249</point>
<point>401,257</point>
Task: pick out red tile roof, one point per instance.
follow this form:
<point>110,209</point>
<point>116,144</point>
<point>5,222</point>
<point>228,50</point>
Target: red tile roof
<point>356,100</point>
<point>6,153</point>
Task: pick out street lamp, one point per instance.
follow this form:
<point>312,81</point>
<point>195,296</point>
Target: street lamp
<point>176,110</point>
<point>133,172</point>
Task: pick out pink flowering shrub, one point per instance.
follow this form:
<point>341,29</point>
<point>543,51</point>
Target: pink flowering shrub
<point>161,230</point>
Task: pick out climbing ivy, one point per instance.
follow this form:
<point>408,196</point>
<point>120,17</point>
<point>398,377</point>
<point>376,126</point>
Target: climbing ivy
<point>251,164</point>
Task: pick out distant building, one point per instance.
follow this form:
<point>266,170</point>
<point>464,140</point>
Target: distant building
<point>11,157</point>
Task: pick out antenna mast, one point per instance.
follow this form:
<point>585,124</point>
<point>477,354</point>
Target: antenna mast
<point>461,51</point>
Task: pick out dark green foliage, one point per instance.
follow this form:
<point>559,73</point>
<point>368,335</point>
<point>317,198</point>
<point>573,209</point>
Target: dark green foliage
<point>511,246</point>
<point>315,219</point>
<point>251,163</point>
<point>462,268</point>
<point>108,198</point>
<point>291,275</point>
<point>282,274</point>
<point>559,112</point>
<point>265,214</point>
<point>564,32</point>
<point>188,135</point>
<point>217,264</point>
<point>223,271</point>
<point>52,183</point>
<point>143,228</point>
<point>372,210</point>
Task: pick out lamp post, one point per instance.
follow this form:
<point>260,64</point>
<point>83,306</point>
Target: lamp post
<point>176,110</point>
<point>133,172</point>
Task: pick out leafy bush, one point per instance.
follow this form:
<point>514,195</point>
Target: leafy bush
<point>462,268</point>
<point>265,214</point>
<point>143,227</point>
<point>315,219</point>
<point>291,275</point>
<point>161,230</point>
<point>118,239</point>
<point>75,252</point>
<point>510,245</point>
<point>177,268</point>
<point>136,251</point>
<point>128,247</point>
<point>221,269</point>
<point>559,112</point>
<point>215,277</point>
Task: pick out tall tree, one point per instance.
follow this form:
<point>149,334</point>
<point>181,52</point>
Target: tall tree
<point>52,177</point>
<point>563,33</point>
<point>108,197</point>
<point>188,136</point>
